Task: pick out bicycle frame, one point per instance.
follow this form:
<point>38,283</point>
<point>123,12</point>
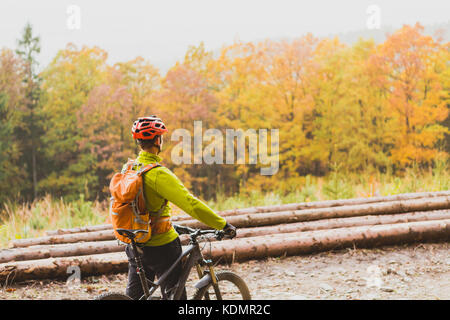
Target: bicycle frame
<point>195,258</point>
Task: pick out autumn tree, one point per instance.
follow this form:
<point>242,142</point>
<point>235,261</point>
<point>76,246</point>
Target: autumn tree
<point>235,79</point>
<point>445,80</point>
<point>13,173</point>
<point>106,117</point>
<point>185,97</point>
<point>289,73</point>
<point>351,124</point>
<point>67,83</point>
<point>410,65</point>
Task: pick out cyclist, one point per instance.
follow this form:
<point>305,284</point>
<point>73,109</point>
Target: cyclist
<point>160,187</point>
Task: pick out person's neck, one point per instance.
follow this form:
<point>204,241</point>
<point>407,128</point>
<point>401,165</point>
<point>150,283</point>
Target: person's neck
<point>153,150</point>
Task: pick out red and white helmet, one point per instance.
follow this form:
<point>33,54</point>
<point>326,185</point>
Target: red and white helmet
<point>146,128</point>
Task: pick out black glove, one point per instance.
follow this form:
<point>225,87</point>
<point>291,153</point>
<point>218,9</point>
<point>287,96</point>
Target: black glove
<point>230,230</point>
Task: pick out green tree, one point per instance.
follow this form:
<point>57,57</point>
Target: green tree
<point>28,47</point>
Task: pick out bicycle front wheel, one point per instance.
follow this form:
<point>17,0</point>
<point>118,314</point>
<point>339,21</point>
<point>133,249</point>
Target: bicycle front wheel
<point>112,296</point>
<point>231,286</point>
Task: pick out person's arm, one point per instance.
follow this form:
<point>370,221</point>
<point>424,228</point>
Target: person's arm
<point>168,186</point>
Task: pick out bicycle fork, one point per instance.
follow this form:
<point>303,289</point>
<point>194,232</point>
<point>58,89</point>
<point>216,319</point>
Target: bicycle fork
<point>212,274</point>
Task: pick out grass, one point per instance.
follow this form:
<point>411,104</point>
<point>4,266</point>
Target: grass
<point>339,185</point>
<point>27,220</point>
<point>33,219</point>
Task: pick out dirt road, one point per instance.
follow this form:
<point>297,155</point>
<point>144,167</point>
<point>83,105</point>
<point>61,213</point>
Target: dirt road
<point>420,271</point>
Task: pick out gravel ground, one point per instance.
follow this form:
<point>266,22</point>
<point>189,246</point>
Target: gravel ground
<point>414,272</point>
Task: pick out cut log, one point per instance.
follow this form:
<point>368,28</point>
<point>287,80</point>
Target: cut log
<point>278,208</point>
<point>64,238</point>
<point>58,268</point>
<point>344,223</point>
<point>299,243</point>
<point>88,248</point>
<point>60,250</point>
<point>242,249</point>
<point>325,204</point>
<point>269,218</point>
<point>273,218</point>
<point>99,227</point>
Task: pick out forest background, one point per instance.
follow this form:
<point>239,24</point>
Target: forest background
<point>354,120</point>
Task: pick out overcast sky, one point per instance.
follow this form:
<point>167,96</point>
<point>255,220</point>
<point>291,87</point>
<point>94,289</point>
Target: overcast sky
<point>161,31</point>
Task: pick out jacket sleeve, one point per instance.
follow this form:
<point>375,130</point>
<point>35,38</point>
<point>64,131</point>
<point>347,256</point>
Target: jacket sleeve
<point>169,187</point>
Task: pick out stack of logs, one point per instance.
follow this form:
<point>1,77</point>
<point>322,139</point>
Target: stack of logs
<point>291,229</point>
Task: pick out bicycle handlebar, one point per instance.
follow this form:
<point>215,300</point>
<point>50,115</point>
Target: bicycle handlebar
<point>194,233</point>
<point>183,229</point>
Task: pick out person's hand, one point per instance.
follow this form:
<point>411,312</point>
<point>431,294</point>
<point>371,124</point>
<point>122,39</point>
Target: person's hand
<point>230,230</point>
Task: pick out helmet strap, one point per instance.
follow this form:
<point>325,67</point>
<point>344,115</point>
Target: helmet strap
<point>159,142</point>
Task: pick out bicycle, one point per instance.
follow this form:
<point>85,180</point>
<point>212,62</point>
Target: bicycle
<point>211,283</point>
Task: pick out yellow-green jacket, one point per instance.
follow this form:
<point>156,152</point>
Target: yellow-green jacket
<point>160,183</point>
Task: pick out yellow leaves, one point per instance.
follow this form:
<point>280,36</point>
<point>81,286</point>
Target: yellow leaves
<point>363,105</point>
<point>412,65</point>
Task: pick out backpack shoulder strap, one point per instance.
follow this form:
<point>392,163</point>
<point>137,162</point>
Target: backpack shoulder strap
<point>148,167</point>
<point>127,166</point>
<point>145,169</point>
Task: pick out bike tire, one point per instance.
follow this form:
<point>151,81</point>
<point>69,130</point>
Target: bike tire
<point>112,296</point>
<point>225,276</point>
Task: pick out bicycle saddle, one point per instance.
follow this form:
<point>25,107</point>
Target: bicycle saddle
<point>129,233</point>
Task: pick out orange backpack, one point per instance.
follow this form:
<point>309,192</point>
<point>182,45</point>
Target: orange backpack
<point>128,208</point>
